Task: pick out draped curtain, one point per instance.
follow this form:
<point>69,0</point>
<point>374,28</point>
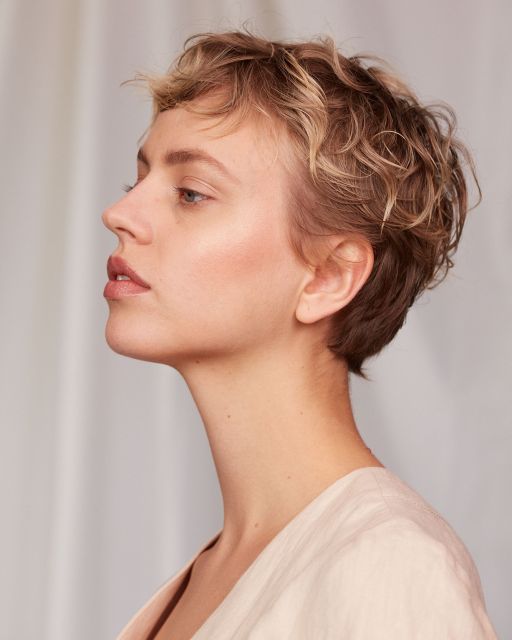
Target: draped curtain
<point>107,485</point>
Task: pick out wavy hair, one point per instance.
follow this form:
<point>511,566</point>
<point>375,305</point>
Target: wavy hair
<point>370,159</point>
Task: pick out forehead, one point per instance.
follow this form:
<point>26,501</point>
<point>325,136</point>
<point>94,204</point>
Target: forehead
<point>252,147</point>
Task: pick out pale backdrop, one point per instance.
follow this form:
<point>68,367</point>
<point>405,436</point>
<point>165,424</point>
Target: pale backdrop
<point>107,486</point>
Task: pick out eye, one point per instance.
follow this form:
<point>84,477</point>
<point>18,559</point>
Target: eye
<point>179,190</point>
<point>189,193</point>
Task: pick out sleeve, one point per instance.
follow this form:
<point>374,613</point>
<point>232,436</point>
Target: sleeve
<point>396,582</point>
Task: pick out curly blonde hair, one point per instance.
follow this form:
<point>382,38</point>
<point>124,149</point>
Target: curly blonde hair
<point>370,158</point>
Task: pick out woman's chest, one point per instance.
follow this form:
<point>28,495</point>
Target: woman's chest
<point>188,615</point>
<point>197,599</point>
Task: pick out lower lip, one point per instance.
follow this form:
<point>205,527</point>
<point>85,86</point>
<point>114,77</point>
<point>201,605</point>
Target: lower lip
<point>115,289</point>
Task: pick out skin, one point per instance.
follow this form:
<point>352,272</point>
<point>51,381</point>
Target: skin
<point>242,319</point>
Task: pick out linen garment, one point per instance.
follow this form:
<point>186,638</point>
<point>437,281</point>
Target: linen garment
<point>367,559</point>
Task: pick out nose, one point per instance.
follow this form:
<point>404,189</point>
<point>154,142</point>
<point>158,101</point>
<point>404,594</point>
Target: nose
<point>123,218</point>
<point>113,219</point>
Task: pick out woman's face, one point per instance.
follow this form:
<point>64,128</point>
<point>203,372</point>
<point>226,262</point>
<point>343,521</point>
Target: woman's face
<point>211,243</point>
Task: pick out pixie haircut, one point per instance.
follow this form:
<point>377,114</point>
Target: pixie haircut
<point>369,160</point>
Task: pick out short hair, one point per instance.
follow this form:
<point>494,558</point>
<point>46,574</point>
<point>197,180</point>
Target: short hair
<point>370,160</point>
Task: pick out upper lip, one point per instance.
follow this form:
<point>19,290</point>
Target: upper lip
<point>118,266</point>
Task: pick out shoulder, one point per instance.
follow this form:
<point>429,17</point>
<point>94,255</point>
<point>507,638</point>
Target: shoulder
<point>380,511</point>
<point>398,566</point>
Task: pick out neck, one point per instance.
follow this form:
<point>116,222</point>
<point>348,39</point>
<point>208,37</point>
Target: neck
<point>281,429</point>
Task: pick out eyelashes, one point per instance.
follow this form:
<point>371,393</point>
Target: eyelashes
<point>178,191</point>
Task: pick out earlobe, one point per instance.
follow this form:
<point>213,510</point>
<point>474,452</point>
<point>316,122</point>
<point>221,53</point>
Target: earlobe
<point>336,280</point>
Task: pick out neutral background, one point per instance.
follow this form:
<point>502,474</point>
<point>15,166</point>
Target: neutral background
<point>107,486</point>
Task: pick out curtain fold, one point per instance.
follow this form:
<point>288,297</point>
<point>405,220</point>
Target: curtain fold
<point>107,486</point>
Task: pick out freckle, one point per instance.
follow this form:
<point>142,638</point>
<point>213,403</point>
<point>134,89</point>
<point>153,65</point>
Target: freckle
<point>301,413</point>
<point>229,416</point>
<point>288,477</point>
<point>256,525</point>
<point>198,361</point>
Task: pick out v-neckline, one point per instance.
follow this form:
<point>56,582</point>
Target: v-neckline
<point>289,526</point>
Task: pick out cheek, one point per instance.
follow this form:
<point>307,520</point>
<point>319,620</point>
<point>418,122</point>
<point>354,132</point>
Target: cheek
<point>236,264</point>
<point>241,274</point>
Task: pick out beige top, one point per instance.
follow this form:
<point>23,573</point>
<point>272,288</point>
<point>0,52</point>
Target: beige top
<point>367,559</point>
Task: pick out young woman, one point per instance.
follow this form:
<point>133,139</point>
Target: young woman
<point>290,205</point>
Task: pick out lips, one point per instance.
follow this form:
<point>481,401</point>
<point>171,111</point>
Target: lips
<point>117,266</point>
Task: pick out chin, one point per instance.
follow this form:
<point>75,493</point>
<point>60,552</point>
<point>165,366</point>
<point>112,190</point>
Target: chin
<point>164,342</point>
<point>134,343</point>
<point>130,342</point>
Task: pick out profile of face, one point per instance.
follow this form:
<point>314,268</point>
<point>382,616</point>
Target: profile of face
<point>210,240</point>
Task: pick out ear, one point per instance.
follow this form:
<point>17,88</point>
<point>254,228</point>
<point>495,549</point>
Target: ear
<point>343,269</point>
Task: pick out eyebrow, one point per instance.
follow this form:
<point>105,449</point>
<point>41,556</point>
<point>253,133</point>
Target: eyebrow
<point>173,157</point>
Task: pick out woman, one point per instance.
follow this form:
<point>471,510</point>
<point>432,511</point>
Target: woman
<point>290,206</point>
